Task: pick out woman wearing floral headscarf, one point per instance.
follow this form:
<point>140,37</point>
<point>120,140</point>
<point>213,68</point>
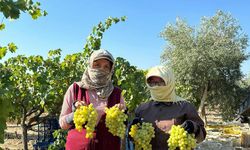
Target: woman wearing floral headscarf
<point>95,87</point>
<point>167,109</point>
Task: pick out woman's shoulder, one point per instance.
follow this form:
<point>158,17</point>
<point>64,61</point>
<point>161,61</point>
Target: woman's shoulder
<point>118,88</point>
<point>186,104</point>
<point>72,87</point>
<point>145,105</point>
<point>77,85</point>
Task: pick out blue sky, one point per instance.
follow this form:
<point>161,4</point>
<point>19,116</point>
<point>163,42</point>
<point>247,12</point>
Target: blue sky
<point>69,22</point>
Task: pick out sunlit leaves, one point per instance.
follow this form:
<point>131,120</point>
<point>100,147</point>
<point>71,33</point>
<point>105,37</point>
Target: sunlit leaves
<point>3,51</point>
<point>12,9</point>
<point>5,85</point>
<point>60,141</point>
<point>2,26</point>
<point>211,55</point>
<point>132,81</point>
<point>20,76</point>
<point>94,39</point>
<point>12,47</point>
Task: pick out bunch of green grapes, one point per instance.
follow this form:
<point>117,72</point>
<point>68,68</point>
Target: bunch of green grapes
<point>180,138</point>
<point>86,115</point>
<point>115,119</point>
<point>142,135</point>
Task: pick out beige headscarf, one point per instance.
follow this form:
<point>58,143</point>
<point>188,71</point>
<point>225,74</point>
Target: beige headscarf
<point>95,79</point>
<point>163,93</point>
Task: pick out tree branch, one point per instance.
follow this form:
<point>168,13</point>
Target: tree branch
<point>41,119</point>
<point>32,110</point>
<point>35,118</point>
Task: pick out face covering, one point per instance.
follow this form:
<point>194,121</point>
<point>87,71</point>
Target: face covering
<point>163,93</point>
<point>96,79</point>
<point>99,77</point>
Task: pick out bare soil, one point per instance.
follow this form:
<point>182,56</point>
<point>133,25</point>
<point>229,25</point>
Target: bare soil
<point>13,138</point>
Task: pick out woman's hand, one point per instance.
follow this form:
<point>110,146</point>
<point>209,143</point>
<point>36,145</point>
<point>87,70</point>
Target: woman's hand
<point>69,118</point>
<point>188,126</point>
<point>120,106</point>
<point>77,104</point>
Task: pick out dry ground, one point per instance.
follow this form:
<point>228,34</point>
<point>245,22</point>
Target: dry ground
<point>13,136</point>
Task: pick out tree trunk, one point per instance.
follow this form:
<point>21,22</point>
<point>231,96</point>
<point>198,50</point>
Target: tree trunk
<point>202,110</point>
<point>24,129</point>
<point>245,139</point>
<point>24,137</point>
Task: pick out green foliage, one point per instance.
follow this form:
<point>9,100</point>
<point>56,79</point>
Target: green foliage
<point>60,76</point>
<point>2,26</point>
<point>132,81</point>
<point>12,47</point>
<point>185,91</point>
<point>60,139</point>
<point>248,79</point>
<point>208,56</point>
<point>27,94</point>
<point>94,39</point>
<point>5,86</point>
<point>10,79</point>
<point>5,106</point>
<point>12,9</point>
<point>30,97</point>
<point>4,110</point>
<point>245,84</point>
<point>3,50</point>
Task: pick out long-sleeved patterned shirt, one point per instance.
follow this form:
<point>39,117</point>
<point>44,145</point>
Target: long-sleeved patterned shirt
<point>98,103</point>
<point>165,114</point>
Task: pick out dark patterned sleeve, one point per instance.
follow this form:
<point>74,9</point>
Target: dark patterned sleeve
<point>199,129</point>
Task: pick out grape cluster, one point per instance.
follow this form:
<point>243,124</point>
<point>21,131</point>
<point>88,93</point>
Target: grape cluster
<point>86,115</point>
<point>115,121</point>
<point>180,138</point>
<point>142,135</point>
